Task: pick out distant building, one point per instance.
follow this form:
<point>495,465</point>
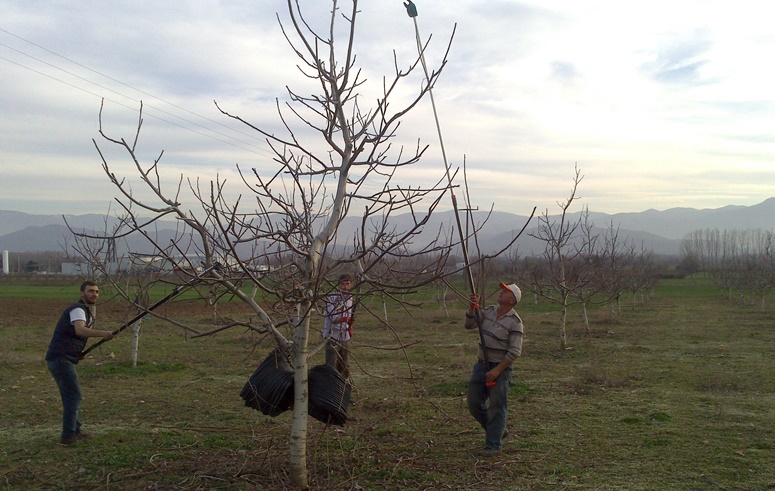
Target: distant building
<point>138,263</point>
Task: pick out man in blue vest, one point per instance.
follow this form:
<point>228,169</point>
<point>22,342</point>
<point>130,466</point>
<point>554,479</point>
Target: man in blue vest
<point>64,352</point>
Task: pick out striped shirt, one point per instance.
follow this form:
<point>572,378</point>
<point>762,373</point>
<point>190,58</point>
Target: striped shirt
<point>503,337</point>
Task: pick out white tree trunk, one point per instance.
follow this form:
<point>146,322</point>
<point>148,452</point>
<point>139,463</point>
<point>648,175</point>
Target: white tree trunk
<point>298,443</point>
<point>135,341</point>
<point>563,322</point>
<point>384,309</point>
<point>443,293</point>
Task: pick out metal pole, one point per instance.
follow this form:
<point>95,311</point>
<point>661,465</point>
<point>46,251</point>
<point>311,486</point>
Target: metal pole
<point>173,293</point>
<point>411,9</point>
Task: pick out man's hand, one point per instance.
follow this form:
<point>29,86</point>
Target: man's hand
<point>491,376</point>
<point>474,299</point>
<point>108,335</point>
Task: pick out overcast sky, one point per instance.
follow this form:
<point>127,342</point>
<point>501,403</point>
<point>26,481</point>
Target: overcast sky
<point>661,104</point>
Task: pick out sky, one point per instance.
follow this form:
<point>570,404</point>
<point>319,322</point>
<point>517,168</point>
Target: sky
<point>659,104</point>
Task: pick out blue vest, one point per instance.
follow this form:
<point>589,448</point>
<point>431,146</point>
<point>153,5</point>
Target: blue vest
<point>65,343</point>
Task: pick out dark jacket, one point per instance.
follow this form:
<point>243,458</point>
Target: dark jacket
<point>65,343</point>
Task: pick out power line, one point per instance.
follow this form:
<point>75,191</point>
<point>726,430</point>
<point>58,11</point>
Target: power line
<point>136,110</point>
<point>258,150</point>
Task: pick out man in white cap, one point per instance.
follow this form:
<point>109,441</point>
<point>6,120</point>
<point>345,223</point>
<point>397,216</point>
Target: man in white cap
<point>502,331</point>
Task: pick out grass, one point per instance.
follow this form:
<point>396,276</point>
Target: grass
<point>56,292</point>
<point>678,394</point>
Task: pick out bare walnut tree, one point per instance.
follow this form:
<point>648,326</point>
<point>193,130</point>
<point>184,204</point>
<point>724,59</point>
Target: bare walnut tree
<point>278,240</point>
<point>570,266</point>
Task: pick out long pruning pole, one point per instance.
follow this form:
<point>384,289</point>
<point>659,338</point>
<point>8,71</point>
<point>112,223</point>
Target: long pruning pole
<point>173,293</point>
<point>411,9</point>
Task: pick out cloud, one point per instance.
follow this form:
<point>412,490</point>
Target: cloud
<point>680,60</point>
<point>564,71</point>
<point>636,93</point>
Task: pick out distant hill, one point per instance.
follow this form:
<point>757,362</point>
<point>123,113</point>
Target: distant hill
<point>35,238</point>
<point>15,221</point>
<point>676,223</point>
<point>660,231</point>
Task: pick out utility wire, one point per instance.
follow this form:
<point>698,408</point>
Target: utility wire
<point>151,115</point>
<point>125,84</point>
<point>258,150</point>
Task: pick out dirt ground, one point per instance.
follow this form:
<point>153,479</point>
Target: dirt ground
<point>34,311</point>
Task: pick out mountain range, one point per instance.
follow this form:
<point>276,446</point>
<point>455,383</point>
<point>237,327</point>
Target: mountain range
<point>660,231</point>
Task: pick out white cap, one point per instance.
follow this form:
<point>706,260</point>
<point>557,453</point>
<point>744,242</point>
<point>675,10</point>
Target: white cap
<point>514,289</point>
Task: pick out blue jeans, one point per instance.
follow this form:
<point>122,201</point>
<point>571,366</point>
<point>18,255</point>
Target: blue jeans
<point>491,416</point>
<point>66,378</point>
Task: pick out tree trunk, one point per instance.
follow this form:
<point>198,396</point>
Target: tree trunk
<point>298,443</point>
<point>135,341</point>
<point>563,319</point>
<point>586,317</point>
<point>214,307</point>
<point>443,299</point>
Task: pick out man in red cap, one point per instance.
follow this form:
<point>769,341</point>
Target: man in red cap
<point>502,331</point>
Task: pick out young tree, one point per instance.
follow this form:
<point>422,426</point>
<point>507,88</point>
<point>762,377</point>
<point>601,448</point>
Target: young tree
<point>588,266</point>
<point>717,252</point>
<point>641,275</point>
<point>333,154</point>
<point>567,269</point>
<point>755,264</point>
<point>618,254</point>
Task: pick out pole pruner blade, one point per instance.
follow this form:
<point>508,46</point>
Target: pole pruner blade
<point>411,9</point>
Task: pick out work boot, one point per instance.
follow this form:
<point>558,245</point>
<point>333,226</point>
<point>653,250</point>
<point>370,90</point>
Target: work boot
<point>68,440</point>
<point>82,435</point>
<point>488,453</point>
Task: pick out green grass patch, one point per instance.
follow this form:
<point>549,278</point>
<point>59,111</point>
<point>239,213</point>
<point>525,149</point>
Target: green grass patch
<point>142,368</point>
<point>54,292</point>
<point>659,417</point>
<point>453,389</point>
<point>675,393</point>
